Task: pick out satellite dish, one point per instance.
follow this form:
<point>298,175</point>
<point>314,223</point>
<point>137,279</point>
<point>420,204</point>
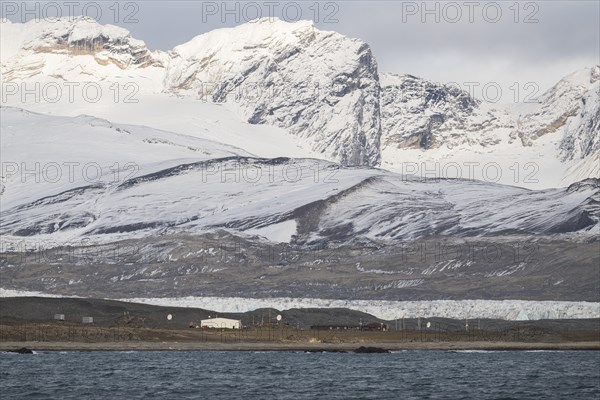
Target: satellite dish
<point>278,317</point>
<point>429,324</point>
<point>169,317</point>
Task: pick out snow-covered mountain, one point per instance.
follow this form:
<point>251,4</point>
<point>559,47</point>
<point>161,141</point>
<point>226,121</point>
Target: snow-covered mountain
<point>322,90</point>
<point>95,208</point>
<point>321,86</point>
<point>571,107</point>
<point>419,113</point>
<point>107,44</point>
<point>178,183</point>
<point>269,134</point>
<point>77,50</point>
<point>556,135</point>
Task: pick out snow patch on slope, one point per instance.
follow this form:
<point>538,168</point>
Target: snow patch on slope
<point>27,293</point>
<point>279,233</point>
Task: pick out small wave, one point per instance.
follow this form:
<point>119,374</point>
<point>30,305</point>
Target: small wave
<point>544,351</point>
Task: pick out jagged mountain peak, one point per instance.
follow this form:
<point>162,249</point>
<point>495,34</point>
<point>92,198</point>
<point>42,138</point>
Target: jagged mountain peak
<point>262,33</point>
<point>583,77</point>
<point>569,89</point>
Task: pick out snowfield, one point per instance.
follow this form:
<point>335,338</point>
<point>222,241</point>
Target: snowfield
<point>70,178</point>
<point>129,187</point>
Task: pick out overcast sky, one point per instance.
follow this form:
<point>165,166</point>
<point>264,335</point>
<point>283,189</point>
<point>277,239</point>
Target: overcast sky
<point>533,42</point>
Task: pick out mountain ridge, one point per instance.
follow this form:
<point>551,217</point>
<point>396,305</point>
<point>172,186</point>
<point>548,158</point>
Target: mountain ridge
<point>326,91</point>
<point>320,200</point>
<point>247,167</point>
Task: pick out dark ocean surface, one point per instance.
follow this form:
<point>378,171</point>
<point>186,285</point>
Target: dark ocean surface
<point>296,375</point>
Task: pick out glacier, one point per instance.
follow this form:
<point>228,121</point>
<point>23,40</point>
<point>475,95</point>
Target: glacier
<point>513,310</point>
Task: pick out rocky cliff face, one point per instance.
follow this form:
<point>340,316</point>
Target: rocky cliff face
<point>582,132</point>
<point>415,111</point>
<point>78,36</point>
<point>571,107</point>
<point>319,85</point>
<point>435,119</point>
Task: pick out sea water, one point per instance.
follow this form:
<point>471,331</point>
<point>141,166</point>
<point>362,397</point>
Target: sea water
<point>299,375</point>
